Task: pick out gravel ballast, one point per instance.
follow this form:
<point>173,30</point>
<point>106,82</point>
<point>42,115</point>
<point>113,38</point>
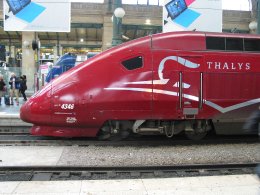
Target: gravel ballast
<point>129,155</point>
<point>161,155</point>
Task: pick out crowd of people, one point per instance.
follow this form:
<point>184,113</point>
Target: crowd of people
<point>17,86</point>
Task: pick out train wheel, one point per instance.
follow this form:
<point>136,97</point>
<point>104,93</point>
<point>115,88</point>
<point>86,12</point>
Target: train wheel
<point>193,135</point>
<point>124,134</point>
<point>104,133</point>
<point>104,136</point>
<point>113,137</point>
<point>115,130</point>
<point>119,136</point>
<point>198,130</point>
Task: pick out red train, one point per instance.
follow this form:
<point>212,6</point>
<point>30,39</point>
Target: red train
<point>190,82</point>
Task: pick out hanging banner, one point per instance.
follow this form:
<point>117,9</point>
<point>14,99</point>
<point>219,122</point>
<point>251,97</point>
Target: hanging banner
<point>199,15</point>
<point>37,15</point>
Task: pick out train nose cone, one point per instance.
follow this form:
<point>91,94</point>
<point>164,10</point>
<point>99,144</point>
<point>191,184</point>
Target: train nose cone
<point>25,114</point>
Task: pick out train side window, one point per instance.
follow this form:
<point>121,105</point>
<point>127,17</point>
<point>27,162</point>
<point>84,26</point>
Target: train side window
<point>215,43</point>
<point>252,44</point>
<point>234,44</point>
<point>133,63</point>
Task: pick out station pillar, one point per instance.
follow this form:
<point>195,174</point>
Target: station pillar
<point>12,52</point>
<point>57,52</point>
<point>258,16</point>
<point>107,33</point>
<point>28,60</point>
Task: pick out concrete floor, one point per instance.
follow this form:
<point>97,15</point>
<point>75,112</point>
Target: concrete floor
<point>224,185</point>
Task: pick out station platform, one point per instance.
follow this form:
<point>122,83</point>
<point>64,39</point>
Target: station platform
<point>10,115</point>
<point>92,156</point>
<point>224,185</point>
<point>246,184</point>
<point>10,110</point>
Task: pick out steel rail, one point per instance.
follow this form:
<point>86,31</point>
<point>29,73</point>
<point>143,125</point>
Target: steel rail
<point>141,141</point>
<point>46,173</point>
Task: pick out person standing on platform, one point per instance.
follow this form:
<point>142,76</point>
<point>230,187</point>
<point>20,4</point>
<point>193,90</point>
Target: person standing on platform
<point>2,88</point>
<point>14,88</point>
<point>23,86</point>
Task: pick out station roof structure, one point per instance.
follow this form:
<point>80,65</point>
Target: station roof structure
<point>89,19</point>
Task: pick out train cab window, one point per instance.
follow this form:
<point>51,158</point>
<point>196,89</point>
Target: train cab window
<point>216,43</point>
<point>133,63</point>
<point>252,44</point>
<point>234,44</point>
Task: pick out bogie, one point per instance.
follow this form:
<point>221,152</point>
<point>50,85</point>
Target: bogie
<point>194,129</point>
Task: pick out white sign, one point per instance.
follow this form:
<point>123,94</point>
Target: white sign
<point>44,68</point>
<point>37,15</point>
<point>199,15</point>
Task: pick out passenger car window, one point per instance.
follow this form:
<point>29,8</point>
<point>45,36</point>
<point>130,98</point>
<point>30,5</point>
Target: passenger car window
<point>234,44</point>
<point>133,63</point>
<point>252,44</point>
<point>216,43</point>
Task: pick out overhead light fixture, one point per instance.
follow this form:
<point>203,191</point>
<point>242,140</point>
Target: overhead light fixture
<point>81,40</point>
<point>26,44</point>
<point>253,25</point>
<point>148,21</point>
<point>119,12</point>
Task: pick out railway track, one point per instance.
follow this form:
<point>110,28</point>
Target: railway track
<point>24,139</point>
<point>14,130</point>
<point>20,136</point>
<point>48,173</point>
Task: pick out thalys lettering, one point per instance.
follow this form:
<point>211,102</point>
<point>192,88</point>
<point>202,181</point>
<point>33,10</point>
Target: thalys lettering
<point>163,84</point>
<point>228,66</point>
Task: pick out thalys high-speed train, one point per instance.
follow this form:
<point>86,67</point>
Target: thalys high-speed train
<point>189,82</point>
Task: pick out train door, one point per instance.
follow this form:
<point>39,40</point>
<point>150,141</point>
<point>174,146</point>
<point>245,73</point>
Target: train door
<point>165,79</point>
<point>64,104</point>
<point>190,85</point>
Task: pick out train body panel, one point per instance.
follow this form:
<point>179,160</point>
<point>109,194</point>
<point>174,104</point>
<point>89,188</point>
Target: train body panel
<point>152,84</point>
<point>232,82</point>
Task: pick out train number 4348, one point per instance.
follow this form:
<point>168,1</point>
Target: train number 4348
<point>67,106</point>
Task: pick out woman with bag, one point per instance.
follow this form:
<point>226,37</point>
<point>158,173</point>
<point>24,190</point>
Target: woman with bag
<point>14,83</point>
<point>2,88</point>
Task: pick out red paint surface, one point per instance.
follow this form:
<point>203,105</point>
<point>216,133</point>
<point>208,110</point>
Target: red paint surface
<point>101,89</point>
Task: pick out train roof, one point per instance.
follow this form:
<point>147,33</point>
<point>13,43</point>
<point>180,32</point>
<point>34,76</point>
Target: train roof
<point>232,35</point>
<point>191,40</point>
<point>182,40</point>
<point>206,34</point>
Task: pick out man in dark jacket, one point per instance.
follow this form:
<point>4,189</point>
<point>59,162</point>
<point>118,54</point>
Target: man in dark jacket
<point>2,87</point>
<point>23,86</point>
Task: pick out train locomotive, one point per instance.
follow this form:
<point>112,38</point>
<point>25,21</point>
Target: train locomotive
<point>163,84</point>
